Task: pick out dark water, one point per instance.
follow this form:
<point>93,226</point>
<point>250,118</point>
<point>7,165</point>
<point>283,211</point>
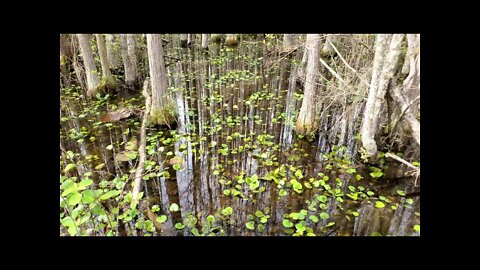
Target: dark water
<point>231,132</point>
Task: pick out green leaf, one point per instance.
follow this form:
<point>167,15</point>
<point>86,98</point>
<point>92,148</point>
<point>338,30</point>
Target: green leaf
<point>355,214</point>
<point>376,174</point>
<point>416,227</point>
<point>179,226</point>
<point>88,196</point>
<point>227,211</point>
<point>401,192</point>
<point>351,188</point>
<point>351,171</point>
<point>287,224</point>
<point>174,207</point>
<point>226,192</point>
<point>260,227</point>
<point>259,213</point>
<point>162,218</point>
<point>75,198</point>
<point>85,183</point>
<point>298,174</point>
<point>331,223</point>
<point>67,222</point>
<point>409,201</point>
<point>69,167</point>
<point>313,218</point>
<point>321,198</point>
<point>379,204</point>
<point>324,215</point>
<point>176,167</point>
<point>263,219</point>
<point>109,147</point>
<point>99,166</point>
<point>358,177</point>
<point>370,193</point>
<point>211,219</point>
<point>250,225</point>
<point>108,195</point>
<point>301,226</point>
<point>216,172</point>
<point>282,192</point>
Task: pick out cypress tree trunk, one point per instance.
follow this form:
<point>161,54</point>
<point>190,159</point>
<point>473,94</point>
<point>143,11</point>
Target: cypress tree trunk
<point>112,52</point>
<point>93,80</point>
<point>205,40</point>
<point>387,51</point>
<point>102,51</point>
<point>161,102</point>
<point>130,75</point>
<point>306,123</point>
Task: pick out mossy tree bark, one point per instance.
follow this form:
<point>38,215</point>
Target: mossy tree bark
<point>306,123</point>
<point>93,80</point>
<point>107,80</point>
<point>162,104</point>
<point>112,51</point>
<point>387,52</point>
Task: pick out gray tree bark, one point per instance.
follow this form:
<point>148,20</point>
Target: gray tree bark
<point>130,69</point>
<point>102,51</point>
<point>93,80</point>
<point>205,39</point>
<point>158,76</point>
<point>303,64</point>
<point>387,51</point>
<point>306,123</point>
<point>288,42</point>
<point>112,51</point>
<point>327,49</point>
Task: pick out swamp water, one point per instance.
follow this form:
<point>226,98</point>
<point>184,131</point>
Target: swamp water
<point>232,164</point>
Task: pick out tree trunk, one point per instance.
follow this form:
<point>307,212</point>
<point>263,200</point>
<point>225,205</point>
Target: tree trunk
<point>112,52</point>
<point>327,49</point>
<point>93,80</point>
<point>205,40</point>
<point>288,42</point>
<point>102,51</point>
<point>303,64</point>
<point>183,40</point>
<point>411,86</point>
<point>132,54</point>
<point>130,76</point>
<point>387,51</point>
<point>306,123</point>
<point>161,102</point>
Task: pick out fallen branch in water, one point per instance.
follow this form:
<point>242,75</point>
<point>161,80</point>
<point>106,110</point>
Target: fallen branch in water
<point>416,170</point>
<point>141,148</point>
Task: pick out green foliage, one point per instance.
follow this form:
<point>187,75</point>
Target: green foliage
<point>174,207</point>
<point>324,215</point>
<point>287,224</point>
<point>227,211</point>
<point>162,218</point>
<point>379,204</point>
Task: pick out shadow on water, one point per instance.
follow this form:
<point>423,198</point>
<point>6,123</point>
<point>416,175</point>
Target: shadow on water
<point>235,147</point>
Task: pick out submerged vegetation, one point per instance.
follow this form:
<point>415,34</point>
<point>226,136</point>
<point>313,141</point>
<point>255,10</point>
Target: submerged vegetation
<point>208,141</point>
